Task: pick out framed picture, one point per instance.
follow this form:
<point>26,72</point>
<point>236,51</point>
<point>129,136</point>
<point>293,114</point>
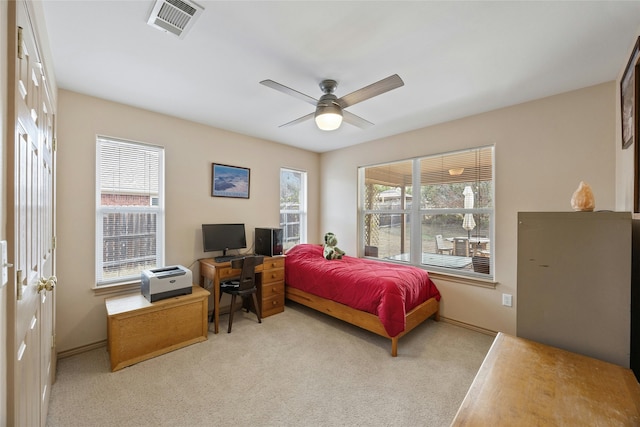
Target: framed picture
<point>628,101</point>
<point>229,181</point>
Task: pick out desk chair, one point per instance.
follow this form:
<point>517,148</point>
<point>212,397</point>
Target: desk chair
<point>245,286</point>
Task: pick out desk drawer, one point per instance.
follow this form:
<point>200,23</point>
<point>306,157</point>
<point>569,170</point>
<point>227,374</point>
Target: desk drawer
<point>275,289</point>
<point>271,276</point>
<point>272,305</point>
<point>273,262</point>
<point>272,298</point>
<point>228,272</point>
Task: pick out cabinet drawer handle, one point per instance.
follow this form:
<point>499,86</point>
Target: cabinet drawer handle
<point>274,302</point>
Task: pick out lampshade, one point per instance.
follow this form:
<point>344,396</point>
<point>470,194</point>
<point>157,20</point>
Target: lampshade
<point>456,171</point>
<point>328,117</point>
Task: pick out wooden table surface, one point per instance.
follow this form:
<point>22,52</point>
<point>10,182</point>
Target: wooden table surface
<point>525,383</point>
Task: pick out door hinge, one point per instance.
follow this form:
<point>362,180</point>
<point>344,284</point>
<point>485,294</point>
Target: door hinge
<point>54,242</point>
<point>55,144</point>
<point>19,284</point>
<point>20,51</point>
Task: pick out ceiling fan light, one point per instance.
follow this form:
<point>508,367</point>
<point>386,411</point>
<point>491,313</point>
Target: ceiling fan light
<point>329,121</point>
<point>328,117</point>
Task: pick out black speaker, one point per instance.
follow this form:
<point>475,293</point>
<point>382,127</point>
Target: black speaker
<point>268,241</point>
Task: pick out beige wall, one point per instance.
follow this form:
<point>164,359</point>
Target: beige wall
<point>543,149</point>
<point>190,149</point>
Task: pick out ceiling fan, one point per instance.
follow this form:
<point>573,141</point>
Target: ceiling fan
<point>330,110</point>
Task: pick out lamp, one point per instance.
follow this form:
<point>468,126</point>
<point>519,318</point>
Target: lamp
<point>456,171</point>
<point>328,120</point>
<point>328,114</point>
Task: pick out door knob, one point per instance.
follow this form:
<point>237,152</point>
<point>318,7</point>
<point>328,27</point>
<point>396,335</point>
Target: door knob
<point>47,284</point>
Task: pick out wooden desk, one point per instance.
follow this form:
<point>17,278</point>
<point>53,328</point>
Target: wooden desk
<point>138,329</point>
<point>269,280</point>
<point>524,383</point>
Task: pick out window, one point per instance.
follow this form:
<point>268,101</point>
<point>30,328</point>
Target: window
<point>434,211</point>
<point>293,207</point>
<point>129,209</point>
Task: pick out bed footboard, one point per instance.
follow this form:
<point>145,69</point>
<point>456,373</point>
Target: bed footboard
<point>362,319</point>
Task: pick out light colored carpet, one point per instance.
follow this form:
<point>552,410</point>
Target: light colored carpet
<point>297,368</point>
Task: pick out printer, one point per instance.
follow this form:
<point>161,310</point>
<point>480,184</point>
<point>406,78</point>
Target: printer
<point>165,282</point>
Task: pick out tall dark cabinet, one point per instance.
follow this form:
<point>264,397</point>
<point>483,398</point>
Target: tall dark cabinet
<point>577,283</point>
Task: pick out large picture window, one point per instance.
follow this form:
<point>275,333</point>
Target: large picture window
<point>293,207</point>
<point>129,210</point>
<point>435,211</point>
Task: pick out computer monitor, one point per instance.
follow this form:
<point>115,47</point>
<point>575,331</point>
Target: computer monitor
<point>222,237</point>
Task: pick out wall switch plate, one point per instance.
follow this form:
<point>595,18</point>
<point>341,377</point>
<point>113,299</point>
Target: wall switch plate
<point>507,300</point>
<point>4,265</point>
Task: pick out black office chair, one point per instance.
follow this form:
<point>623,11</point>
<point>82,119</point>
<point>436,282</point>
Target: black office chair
<point>245,286</point>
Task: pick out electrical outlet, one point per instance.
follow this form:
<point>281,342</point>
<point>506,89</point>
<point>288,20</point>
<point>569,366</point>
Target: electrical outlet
<point>507,300</point>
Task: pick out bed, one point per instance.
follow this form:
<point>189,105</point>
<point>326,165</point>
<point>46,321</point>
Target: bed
<point>385,298</point>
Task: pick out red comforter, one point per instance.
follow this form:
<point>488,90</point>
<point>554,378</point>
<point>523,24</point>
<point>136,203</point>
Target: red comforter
<point>384,289</point>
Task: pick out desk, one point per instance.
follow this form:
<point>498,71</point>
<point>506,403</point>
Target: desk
<point>269,281</point>
<point>138,329</point>
<point>523,382</point>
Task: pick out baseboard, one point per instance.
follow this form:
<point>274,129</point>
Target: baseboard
<point>81,349</point>
<point>468,326</point>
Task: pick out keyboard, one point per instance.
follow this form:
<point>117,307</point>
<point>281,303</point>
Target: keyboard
<point>226,258</point>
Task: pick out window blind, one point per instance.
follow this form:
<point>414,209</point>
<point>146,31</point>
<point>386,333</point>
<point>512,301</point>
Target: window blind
<point>129,209</point>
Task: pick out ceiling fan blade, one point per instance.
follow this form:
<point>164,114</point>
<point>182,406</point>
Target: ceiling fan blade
<point>358,121</point>
<point>374,89</point>
<point>284,89</point>
<point>299,120</point>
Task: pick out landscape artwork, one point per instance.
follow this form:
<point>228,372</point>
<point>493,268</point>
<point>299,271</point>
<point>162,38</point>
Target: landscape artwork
<point>229,181</point>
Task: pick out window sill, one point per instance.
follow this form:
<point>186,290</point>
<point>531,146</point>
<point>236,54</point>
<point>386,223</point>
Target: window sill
<point>464,280</point>
<point>488,283</point>
<point>117,288</point>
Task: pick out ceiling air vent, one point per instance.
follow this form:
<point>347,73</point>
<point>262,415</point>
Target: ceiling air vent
<point>174,16</point>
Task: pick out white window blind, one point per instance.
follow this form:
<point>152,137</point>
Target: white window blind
<point>129,209</point>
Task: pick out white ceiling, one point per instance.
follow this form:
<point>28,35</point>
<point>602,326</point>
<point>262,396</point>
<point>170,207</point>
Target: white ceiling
<point>456,59</point>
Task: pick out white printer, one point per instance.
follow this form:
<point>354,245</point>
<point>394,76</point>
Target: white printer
<point>166,282</point>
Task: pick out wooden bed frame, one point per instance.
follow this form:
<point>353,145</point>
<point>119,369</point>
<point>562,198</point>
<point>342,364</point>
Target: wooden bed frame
<point>362,319</point>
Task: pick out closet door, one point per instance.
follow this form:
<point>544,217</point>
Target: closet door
<point>30,192</point>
